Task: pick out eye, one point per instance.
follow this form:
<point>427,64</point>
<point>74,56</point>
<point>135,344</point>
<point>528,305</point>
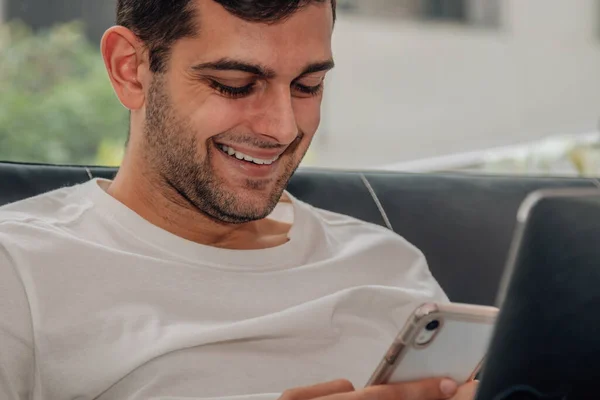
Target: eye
<point>309,90</point>
<point>233,92</point>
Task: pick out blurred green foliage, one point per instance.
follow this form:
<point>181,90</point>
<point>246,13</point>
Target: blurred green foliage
<point>56,102</point>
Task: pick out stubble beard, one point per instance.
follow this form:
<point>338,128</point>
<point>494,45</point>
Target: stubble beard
<point>172,153</point>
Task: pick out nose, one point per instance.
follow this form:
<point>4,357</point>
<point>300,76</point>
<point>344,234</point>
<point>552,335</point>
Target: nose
<point>276,118</point>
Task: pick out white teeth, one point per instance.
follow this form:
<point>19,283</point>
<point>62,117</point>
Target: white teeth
<point>242,156</point>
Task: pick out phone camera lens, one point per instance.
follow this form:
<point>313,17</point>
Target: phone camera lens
<point>433,325</point>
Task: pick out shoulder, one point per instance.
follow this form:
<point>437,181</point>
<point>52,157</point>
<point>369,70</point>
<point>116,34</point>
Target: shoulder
<point>30,227</point>
<point>348,229</point>
<point>51,208</point>
<point>382,254</point>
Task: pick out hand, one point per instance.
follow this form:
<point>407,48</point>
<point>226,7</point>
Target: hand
<point>429,389</point>
<point>467,391</point>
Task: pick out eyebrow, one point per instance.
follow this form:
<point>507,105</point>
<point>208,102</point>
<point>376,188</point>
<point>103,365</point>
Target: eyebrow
<point>318,67</point>
<point>226,64</point>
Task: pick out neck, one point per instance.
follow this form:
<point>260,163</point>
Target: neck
<point>161,205</point>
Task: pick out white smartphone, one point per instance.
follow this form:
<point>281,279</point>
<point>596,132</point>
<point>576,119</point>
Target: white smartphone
<point>438,340</point>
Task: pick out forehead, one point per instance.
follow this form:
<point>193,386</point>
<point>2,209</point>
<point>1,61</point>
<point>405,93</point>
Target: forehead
<point>299,39</point>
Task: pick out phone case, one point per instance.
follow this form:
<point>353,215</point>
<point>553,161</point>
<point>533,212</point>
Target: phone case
<point>455,350</point>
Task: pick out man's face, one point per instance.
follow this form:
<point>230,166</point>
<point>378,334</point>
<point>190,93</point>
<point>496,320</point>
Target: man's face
<point>230,118</point>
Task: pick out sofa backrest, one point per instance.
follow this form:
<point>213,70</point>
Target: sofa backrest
<point>463,223</point>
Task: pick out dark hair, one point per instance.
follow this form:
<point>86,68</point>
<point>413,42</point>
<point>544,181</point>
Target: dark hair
<point>159,23</point>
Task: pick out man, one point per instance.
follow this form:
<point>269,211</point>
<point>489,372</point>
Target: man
<point>193,274</point>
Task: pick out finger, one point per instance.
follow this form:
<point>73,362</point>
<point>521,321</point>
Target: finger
<point>428,389</point>
<point>467,391</point>
<point>320,390</point>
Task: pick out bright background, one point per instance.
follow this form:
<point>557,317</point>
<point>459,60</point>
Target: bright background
<point>497,86</point>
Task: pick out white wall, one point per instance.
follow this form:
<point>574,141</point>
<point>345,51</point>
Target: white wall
<point>404,91</point>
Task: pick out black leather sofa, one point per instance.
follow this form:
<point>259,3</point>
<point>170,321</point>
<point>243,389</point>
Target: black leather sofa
<point>463,223</point>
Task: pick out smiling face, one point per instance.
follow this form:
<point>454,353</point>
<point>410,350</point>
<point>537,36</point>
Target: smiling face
<point>232,115</point>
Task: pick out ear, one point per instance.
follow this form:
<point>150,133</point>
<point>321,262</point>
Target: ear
<point>124,57</point>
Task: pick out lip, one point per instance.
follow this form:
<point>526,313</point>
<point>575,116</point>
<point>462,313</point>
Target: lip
<point>263,154</point>
<point>246,168</point>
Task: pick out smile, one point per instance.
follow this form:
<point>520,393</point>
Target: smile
<point>241,156</point>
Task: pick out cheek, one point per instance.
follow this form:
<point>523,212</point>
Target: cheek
<point>212,116</point>
<point>308,115</point>
<point>205,113</point>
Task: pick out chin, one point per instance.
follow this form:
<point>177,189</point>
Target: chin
<point>257,202</point>
<point>241,205</point>
<point>232,191</point>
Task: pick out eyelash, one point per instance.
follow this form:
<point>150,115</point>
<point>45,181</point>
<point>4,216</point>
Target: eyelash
<point>232,91</point>
<point>310,90</point>
<point>243,91</point>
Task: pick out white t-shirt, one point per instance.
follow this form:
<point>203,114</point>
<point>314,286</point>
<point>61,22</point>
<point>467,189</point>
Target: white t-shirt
<point>97,303</point>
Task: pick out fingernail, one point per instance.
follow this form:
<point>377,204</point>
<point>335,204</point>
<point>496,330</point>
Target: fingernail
<point>448,387</point>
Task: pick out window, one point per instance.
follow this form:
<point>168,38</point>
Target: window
<point>470,12</point>
<point>95,15</point>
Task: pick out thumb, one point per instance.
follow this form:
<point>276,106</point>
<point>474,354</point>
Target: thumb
<point>428,389</point>
<point>467,391</point>
<point>320,390</point>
